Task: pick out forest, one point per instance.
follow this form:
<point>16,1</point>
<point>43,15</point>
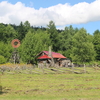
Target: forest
<point>76,44</point>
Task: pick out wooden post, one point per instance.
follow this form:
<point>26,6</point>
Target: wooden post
<point>72,68</point>
<point>50,55</point>
<point>14,58</point>
<point>43,68</point>
<point>49,51</point>
<point>84,68</point>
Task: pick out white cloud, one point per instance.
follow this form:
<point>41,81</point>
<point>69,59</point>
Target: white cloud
<point>61,14</point>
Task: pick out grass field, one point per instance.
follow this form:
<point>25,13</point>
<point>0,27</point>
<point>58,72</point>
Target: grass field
<point>50,85</point>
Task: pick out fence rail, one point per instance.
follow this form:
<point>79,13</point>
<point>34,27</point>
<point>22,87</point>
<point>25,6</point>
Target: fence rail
<point>33,69</point>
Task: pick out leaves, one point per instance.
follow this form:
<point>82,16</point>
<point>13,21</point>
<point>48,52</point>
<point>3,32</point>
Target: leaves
<point>76,44</point>
<point>2,59</point>
<point>5,50</point>
<point>33,44</point>
<point>83,49</point>
<point>96,42</point>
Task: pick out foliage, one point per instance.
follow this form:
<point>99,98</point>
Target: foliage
<point>7,33</point>
<point>2,59</point>
<point>10,34</point>
<point>83,49</point>
<point>96,42</point>
<point>6,50</point>
<point>70,41</point>
<point>23,29</point>
<point>51,29</point>
<point>2,31</point>
<point>65,40</point>
<point>33,44</point>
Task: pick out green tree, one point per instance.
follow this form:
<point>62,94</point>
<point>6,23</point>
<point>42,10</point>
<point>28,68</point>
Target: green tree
<point>27,26</point>
<point>83,49</point>
<point>96,42</point>
<point>2,59</point>
<point>96,32</point>
<point>6,50</point>
<point>65,40</point>
<point>33,44</point>
<point>21,31</point>
<point>2,31</point>
<point>10,34</point>
<point>51,29</point>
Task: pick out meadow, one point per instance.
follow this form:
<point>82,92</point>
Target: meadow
<point>47,84</point>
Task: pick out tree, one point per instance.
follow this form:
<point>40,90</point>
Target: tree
<point>83,49</point>
<point>2,31</point>
<point>51,29</point>
<point>2,59</point>
<point>96,42</point>
<point>65,40</point>
<point>27,25</point>
<point>10,34</point>
<point>96,32</point>
<point>5,50</point>
<point>33,44</point>
<point>21,31</point>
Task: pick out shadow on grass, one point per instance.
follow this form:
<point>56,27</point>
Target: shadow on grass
<point>1,90</point>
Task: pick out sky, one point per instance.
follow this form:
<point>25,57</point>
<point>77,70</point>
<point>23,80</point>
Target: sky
<point>78,13</point>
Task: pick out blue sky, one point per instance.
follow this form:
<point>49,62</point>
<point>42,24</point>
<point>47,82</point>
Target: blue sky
<point>47,3</point>
<point>78,13</point>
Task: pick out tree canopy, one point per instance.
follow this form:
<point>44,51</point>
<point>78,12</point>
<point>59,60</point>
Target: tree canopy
<point>76,44</point>
<point>33,44</point>
<point>82,48</point>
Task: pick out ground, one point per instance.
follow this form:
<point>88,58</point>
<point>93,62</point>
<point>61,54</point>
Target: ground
<point>51,85</point>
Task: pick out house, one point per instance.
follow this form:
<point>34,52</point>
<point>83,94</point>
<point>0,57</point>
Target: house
<point>47,58</point>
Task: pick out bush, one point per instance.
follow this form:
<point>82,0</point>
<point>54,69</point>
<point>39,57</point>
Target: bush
<point>2,59</point>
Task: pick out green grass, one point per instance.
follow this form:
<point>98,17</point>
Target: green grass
<point>51,86</point>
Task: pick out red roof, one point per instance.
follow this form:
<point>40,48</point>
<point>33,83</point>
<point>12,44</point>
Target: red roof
<point>44,57</point>
<point>54,55</point>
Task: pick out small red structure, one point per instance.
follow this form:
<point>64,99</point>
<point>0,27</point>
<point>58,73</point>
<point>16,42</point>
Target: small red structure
<point>46,58</point>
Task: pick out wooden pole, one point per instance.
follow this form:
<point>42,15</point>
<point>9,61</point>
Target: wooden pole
<point>50,51</point>
<point>84,68</point>
<point>72,68</point>
<point>50,55</point>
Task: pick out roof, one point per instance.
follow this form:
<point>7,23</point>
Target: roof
<point>44,57</point>
<point>54,55</point>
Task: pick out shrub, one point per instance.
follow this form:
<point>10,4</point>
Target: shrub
<point>2,59</point>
